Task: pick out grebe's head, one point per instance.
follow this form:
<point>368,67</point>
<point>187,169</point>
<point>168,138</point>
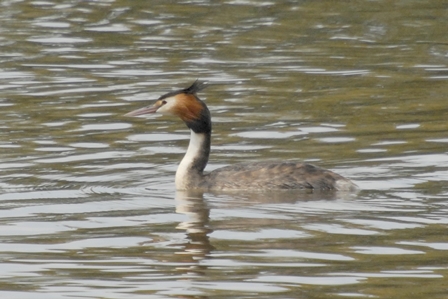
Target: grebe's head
<point>183,103</point>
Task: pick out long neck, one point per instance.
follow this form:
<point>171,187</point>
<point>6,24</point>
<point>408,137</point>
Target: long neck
<point>189,174</point>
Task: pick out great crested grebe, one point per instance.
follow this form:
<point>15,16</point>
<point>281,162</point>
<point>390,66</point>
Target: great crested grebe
<point>246,176</point>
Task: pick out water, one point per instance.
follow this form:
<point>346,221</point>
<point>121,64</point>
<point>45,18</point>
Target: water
<point>88,206</point>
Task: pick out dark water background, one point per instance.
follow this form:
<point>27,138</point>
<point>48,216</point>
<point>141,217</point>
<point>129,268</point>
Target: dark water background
<point>87,201</point>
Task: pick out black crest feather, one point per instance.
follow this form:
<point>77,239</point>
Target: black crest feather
<point>195,87</point>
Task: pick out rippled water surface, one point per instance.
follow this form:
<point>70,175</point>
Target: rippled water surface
<point>88,207</point>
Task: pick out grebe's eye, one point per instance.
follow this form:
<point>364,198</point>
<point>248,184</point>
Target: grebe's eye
<point>163,102</point>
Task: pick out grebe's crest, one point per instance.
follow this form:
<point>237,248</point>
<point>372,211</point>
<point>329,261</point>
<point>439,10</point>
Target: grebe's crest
<point>196,87</point>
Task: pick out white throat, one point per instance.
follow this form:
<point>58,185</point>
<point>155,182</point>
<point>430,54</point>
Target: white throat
<point>186,175</point>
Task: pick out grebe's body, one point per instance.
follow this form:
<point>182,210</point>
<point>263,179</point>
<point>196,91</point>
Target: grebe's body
<point>247,176</point>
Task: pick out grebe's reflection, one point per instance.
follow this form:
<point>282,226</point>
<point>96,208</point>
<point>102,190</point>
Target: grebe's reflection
<point>196,226</point>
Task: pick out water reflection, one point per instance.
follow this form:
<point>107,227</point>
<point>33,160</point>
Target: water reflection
<point>197,228</point>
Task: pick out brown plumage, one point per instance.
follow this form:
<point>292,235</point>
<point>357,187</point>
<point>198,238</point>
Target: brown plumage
<point>273,175</point>
<point>188,108</point>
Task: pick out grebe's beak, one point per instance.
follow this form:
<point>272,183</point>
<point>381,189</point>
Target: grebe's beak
<point>144,110</point>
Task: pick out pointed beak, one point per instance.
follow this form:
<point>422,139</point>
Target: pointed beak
<point>144,110</point>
